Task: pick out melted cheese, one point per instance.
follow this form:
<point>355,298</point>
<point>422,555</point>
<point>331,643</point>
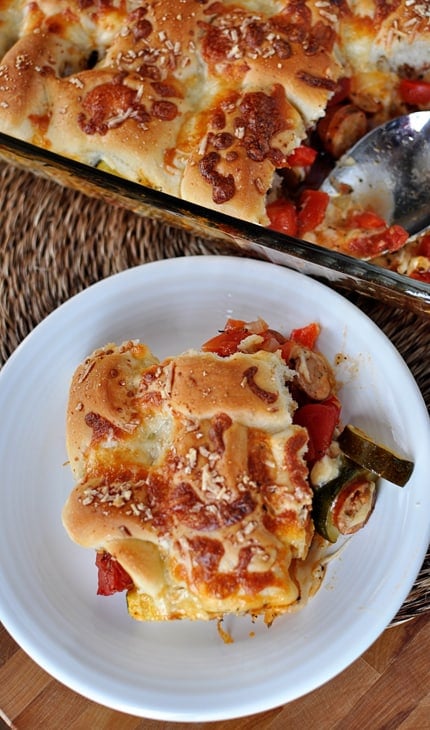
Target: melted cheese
<point>203,101</point>
<point>191,473</point>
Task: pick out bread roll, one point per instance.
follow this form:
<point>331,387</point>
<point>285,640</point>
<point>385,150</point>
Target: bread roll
<point>206,101</point>
<point>191,473</point>
<point>201,101</point>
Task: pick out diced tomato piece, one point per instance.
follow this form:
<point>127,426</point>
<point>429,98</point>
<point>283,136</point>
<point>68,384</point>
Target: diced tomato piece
<point>226,343</point>
<point>421,276</point>
<point>393,238</point>
<point>424,246</point>
<point>367,219</point>
<point>286,350</point>
<point>233,324</point>
<point>112,578</point>
<point>396,237</point>
<point>302,156</point>
<point>415,92</point>
<point>423,251</point>
<point>313,205</point>
<point>236,330</point>
<point>320,421</point>
<point>307,335</point>
<point>283,217</point>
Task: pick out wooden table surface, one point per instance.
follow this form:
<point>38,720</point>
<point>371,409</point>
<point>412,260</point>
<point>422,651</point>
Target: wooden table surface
<point>388,687</point>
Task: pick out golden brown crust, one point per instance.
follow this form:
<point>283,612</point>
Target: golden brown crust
<point>104,384</point>
<point>239,144</point>
<point>381,41</point>
<point>163,71</point>
<point>202,100</point>
<point>192,475</point>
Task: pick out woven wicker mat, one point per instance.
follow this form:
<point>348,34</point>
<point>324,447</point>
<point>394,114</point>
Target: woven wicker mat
<point>55,242</point>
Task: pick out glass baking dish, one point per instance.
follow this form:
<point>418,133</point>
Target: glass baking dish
<point>240,236</point>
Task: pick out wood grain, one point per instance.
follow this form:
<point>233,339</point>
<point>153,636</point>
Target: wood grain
<point>387,688</point>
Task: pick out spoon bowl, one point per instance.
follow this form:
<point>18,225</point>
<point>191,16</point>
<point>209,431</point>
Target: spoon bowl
<point>388,170</point>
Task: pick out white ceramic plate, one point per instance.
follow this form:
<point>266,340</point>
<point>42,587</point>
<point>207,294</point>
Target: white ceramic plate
<point>183,670</point>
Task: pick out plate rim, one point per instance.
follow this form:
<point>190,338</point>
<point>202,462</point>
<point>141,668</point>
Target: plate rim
<point>87,292</point>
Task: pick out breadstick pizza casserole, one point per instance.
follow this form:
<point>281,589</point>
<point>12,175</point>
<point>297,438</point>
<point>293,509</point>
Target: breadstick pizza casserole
<point>238,106</point>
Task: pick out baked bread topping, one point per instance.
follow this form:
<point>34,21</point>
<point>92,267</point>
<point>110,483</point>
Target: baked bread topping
<point>223,104</point>
<point>192,475</point>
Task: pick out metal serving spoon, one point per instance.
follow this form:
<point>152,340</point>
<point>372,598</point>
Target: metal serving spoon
<point>389,171</point>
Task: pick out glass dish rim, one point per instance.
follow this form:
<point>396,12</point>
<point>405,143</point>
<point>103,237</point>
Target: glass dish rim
<point>250,238</point>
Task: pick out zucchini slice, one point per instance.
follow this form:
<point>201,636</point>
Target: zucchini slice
<point>344,504</point>
<point>359,447</point>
